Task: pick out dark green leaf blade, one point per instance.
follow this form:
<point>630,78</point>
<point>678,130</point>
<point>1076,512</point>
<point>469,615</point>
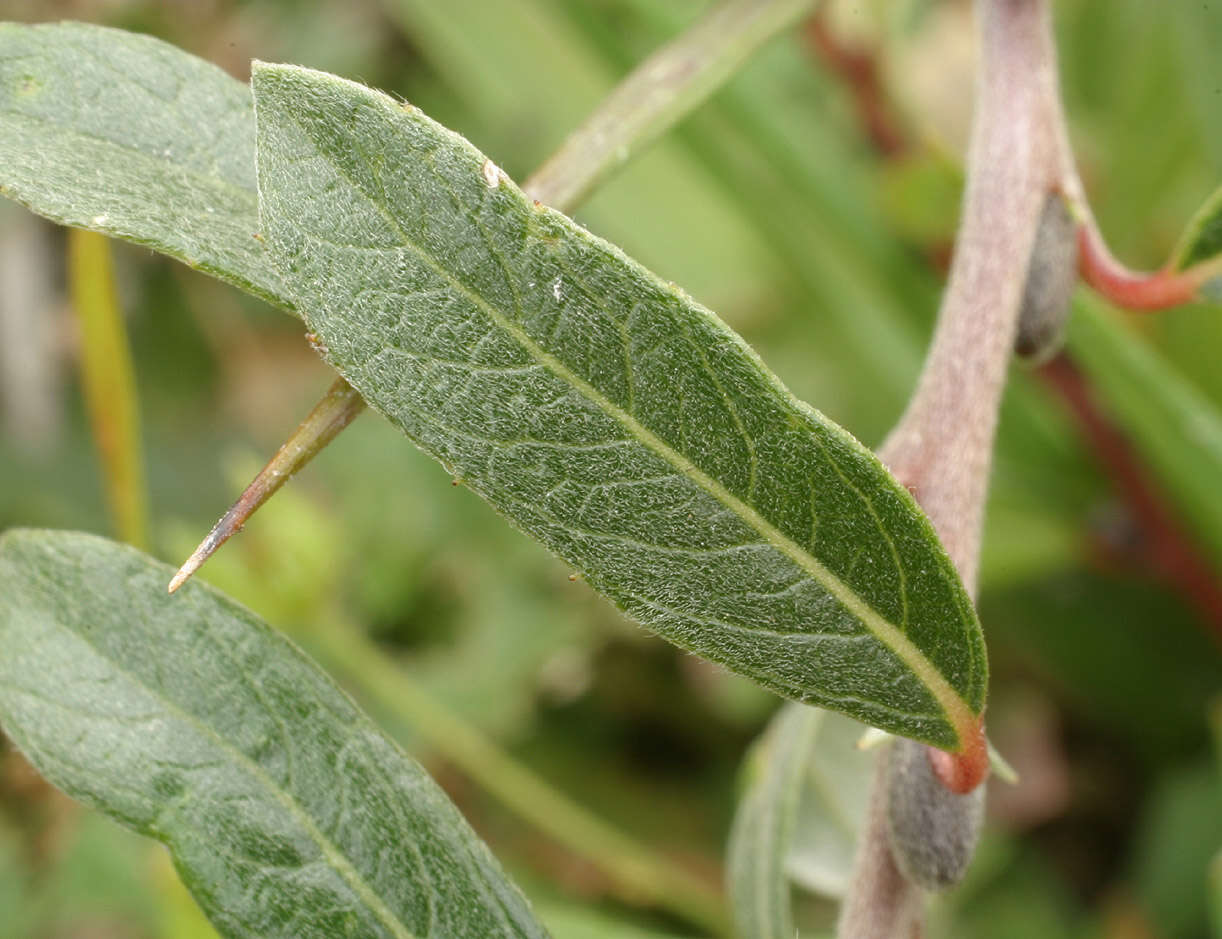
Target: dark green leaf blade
<point>608,414</point>
<point>287,812</point>
<point>127,135</point>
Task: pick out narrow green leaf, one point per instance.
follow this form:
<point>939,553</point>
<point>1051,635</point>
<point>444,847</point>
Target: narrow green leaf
<point>765,822</point>
<point>126,135</point>
<point>832,808</point>
<point>798,820</point>
<point>186,718</point>
<point>608,414</point>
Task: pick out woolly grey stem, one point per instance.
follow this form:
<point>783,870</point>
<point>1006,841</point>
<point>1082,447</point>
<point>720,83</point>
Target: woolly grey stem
<point>942,446</point>
<point>881,903</point>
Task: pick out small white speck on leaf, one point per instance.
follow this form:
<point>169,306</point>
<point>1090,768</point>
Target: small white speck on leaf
<point>492,174</point>
<point>101,220</point>
<point>556,290</point>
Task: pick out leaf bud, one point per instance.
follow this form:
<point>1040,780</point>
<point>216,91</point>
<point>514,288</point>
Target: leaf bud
<point>933,830</point>
<point>1052,274</point>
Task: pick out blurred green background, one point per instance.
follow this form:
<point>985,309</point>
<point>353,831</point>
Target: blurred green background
<point>773,206</point>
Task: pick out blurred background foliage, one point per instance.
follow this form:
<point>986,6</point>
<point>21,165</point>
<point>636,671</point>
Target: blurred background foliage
<point>812,203</point>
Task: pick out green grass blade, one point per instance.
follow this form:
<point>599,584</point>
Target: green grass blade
<point>1174,427</point>
<point>659,93</point>
<point>108,382</point>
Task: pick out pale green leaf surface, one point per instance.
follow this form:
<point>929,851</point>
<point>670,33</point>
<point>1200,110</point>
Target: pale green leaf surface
<point>831,809</point>
<point>186,718</point>
<point>765,824</point>
<point>1203,240</point>
<point>608,414</point>
<point>798,820</point>
<point>129,136</point>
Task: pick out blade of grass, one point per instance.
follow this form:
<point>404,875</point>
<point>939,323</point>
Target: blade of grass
<point>108,383</point>
<point>659,93</point>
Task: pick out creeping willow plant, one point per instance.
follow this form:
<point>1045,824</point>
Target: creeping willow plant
<point>600,409</point>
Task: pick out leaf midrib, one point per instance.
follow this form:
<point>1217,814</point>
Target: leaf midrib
<point>955,709</point>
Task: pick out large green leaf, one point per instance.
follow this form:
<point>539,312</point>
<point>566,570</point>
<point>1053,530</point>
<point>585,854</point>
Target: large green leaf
<point>186,718</point>
<point>127,135</point>
<point>608,414</point>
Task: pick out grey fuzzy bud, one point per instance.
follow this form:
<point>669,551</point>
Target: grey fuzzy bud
<point>933,830</point>
<point>1052,274</point>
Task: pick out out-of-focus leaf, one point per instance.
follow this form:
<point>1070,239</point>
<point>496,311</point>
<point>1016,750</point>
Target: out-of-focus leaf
<point>835,795</point>
<point>919,195</point>
<point>577,923</point>
<point>661,91</point>
<point>1202,246</point>
<point>1203,239</point>
<point>609,415</point>
<point>127,135</point>
<point>1177,431</point>
<point>1178,838</point>
<point>765,822</point>
<point>799,817</point>
<point>1010,893</point>
<point>1119,652</point>
<point>14,887</point>
<point>108,383</point>
<point>188,719</point>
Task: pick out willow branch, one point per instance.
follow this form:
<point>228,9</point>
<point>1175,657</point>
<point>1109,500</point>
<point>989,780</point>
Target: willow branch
<point>941,449</point>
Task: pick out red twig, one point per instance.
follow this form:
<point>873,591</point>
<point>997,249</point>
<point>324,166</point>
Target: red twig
<point>1134,290</point>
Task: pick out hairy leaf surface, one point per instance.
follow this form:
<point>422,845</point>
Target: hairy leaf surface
<point>129,136</point>
<point>188,719</point>
<point>608,414</point>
